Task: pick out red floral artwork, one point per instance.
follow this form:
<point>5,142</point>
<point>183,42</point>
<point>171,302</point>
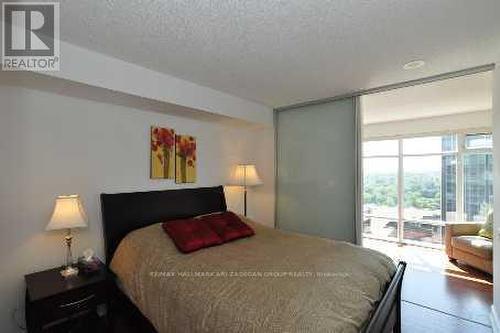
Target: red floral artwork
<point>162,145</point>
<point>186,158</point>
<point>186,146</point>
<point>163,137</point>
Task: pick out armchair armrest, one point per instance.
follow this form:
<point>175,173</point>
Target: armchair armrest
<point>458,229</point>
<point>462,228</point>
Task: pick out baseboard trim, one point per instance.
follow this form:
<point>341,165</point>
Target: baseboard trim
<point>495,323</point>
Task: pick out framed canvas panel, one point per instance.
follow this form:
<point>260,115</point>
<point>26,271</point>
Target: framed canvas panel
<point>185,159</point>
<point>162,153</point>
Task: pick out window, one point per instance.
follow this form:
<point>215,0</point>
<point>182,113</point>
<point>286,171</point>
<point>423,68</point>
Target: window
<point>422,200</point>
<point>381,148</point>
<point>478,141</point>
<point>381,197</point>
<point>478,176</point>
<point>413,185</point>
<point>429,145</point>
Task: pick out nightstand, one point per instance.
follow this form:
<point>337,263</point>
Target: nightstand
<point>58,304</point>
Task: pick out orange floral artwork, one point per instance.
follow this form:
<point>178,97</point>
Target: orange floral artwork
<point>185,159</point>
<point>162,153</point>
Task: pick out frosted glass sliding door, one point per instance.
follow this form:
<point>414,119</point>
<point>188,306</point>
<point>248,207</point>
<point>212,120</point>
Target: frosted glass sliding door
<point>317,169</point>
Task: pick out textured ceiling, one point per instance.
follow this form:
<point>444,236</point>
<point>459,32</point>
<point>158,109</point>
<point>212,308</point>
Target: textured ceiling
<point>464,94</point>
<point>282,52</point>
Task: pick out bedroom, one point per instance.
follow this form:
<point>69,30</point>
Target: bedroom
<point>219,73</point>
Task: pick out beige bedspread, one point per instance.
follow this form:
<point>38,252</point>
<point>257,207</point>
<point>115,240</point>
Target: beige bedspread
<point>272,282</point>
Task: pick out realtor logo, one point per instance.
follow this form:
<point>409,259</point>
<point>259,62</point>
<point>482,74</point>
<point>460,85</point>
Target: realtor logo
<point>30,36</point>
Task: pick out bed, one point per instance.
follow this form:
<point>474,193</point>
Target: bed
<point>274,281</point>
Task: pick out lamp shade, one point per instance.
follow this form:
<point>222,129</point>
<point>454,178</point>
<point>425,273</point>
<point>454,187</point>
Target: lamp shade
<point>68,213</point>
<point>245,175</point>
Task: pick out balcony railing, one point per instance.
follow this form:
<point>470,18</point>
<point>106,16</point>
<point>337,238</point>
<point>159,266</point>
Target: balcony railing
<point>422,232</point>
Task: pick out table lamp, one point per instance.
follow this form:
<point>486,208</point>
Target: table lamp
<point>68,213</point>
<point>245,175</point>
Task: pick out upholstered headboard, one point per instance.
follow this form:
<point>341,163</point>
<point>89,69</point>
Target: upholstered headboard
<point>125,212</point>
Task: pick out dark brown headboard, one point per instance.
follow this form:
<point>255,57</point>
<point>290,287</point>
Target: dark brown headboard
<point>125,212</point>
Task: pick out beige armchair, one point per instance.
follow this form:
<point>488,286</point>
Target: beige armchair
<point>462,242</point>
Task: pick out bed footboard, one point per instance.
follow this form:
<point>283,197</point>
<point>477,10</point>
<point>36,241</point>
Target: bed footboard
<point>387,315</point>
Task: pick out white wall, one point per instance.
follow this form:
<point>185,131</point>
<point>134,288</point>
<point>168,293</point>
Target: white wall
<point>496,191</point>
<point>480,120</point>
<point>54,141</point>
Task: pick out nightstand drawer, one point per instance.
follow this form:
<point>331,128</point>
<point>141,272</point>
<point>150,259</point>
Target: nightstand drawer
<point>72,303</point>
<point>53,302</point>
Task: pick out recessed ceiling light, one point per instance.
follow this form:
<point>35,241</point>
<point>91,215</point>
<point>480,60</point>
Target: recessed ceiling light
<point>414,64</point>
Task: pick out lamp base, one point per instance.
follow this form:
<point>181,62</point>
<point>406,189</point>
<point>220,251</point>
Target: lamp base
<point>245,201</point>
<point>69,271</point>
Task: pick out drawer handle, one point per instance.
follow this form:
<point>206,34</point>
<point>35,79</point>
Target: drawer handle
<point>77,302</point>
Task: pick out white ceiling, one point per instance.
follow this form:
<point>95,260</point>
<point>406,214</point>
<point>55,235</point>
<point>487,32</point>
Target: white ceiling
<point>287,51</point>
<point>459,95</point>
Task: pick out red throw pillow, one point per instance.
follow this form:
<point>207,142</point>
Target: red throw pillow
<point>190,235</point>
<point>228,226</point>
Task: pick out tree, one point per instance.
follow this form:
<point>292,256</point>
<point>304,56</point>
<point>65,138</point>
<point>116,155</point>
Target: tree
<point>421,190</point>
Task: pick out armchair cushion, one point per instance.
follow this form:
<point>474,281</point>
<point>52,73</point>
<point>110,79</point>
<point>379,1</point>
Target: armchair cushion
<point>476,245</point>
<point>487,228</point>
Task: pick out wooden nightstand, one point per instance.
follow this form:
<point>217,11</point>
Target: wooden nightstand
<point>58,304</point>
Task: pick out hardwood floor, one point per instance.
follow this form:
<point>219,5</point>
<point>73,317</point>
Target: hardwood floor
<point>418,319</point>
<point>440,296</point>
